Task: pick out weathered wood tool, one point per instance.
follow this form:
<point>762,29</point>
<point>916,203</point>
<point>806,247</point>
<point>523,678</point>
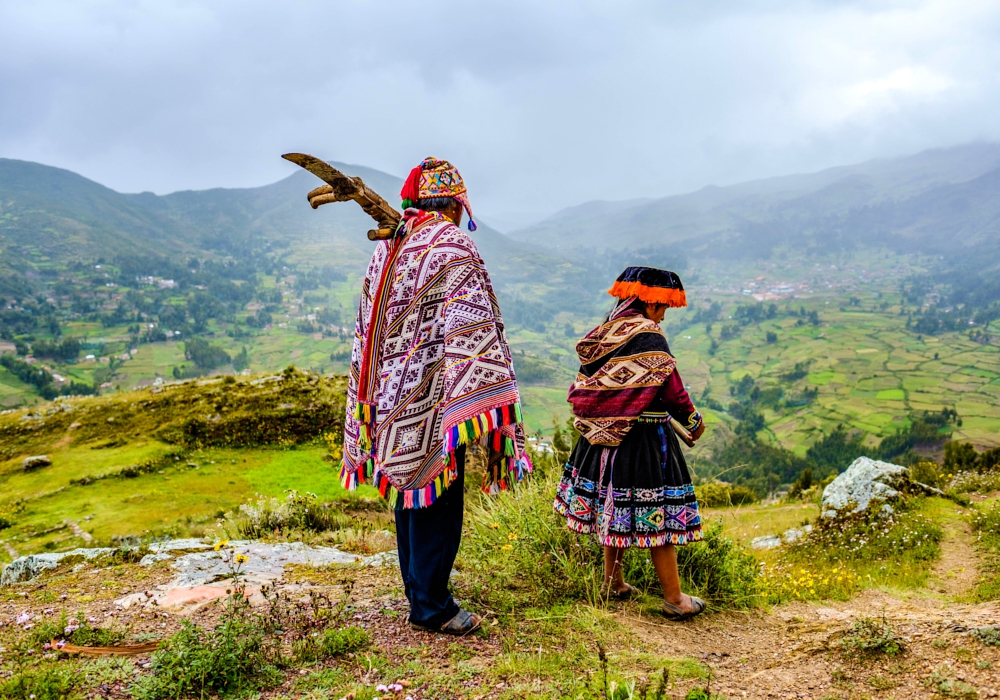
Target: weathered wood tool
<point>342,188</point>
<point>133,650</point>
<point>683,433</point>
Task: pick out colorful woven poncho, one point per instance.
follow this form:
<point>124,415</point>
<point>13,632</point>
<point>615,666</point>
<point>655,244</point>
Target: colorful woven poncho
<point>625,365</point>
<point>431,369</point>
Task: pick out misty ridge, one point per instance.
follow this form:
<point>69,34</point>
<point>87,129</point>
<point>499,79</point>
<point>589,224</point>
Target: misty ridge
<point>941,202</point>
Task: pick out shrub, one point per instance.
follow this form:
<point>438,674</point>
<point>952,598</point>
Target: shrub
<point>719,569</point>
<point>870,536</point>
<point>869,637</point>
<point>926,472</point>
<point>77,630</point>
<point>986,525</point>
<point>519,553</point>
<point>974,482</point>
<point>333,642</point>
<point>45,682</point>
<point>990,636</point>
<point>239,655</point>
<point>718,495</point>
<point>268,515</point>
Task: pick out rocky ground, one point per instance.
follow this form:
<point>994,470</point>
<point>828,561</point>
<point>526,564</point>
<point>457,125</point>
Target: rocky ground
<point>788,652</point>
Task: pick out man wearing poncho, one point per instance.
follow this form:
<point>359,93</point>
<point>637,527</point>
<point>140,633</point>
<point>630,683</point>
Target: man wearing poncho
<point>431,372</point>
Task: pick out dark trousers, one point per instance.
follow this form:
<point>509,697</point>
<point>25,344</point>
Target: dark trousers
<point>428,540</point>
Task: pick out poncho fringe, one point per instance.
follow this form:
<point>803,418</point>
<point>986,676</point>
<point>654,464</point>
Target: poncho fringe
<point>510,469</point>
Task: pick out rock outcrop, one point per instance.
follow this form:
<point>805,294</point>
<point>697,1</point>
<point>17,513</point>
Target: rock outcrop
<point>28,567</point>
<point>198,565</point>
<point>34,462</point>
<point>865,482</point>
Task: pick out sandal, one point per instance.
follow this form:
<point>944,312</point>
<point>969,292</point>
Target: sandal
<point>462,624</point>
<point>675,614</point>
<point>628,594</point>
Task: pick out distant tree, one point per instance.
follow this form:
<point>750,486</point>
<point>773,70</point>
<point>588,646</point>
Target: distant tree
<point>65,351</point>
<point>206,356</point>
<point>960,457</point>
<point>531,370</point>
<point>803,483</point>
<point>800,370</point>
<point>744,387</point>
<point>729,331</point>
<point>772,337</point>
<point>242,360</point>
<point>834,452</point>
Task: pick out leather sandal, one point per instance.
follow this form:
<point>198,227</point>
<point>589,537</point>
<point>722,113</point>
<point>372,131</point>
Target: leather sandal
<point>628,594</point>
<point>462,624</point>
<point>675,614</point>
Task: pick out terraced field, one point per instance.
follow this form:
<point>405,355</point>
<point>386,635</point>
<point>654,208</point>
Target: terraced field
<point>870,373</point>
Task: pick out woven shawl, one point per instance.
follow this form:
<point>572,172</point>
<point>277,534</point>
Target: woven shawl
<point>430,370</point>
<point>624,363</point>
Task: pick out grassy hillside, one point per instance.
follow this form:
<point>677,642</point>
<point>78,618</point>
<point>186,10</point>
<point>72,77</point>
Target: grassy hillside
<point>167,460</point>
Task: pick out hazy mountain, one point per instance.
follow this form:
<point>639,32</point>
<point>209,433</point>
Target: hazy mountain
<point>923,200</point>
<point>53,214</point>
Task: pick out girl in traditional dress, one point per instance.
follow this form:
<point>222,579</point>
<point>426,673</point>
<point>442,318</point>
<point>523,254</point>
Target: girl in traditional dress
<point>627,480</point>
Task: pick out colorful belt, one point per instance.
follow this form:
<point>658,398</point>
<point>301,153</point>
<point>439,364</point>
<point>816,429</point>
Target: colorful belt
<point>654,417</point>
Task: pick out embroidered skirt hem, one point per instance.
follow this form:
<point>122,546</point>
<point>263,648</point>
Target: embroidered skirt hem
<point>638,494</point>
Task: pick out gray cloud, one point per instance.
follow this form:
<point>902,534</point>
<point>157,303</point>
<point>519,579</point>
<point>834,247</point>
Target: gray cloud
<point>541,104</point>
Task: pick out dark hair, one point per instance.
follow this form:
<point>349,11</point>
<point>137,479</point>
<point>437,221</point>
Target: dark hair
<point>636,304</point>
<point>435,203</point>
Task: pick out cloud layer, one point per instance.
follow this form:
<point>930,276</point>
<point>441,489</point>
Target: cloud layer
<point>540,104</point>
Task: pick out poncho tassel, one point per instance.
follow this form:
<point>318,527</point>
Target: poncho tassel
<point>364,413</point>
<point>414,498</point>
<point>506,470</point>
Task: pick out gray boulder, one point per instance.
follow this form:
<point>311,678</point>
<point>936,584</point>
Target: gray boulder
<point>26,568</point>
<point>36,462</point>
<point>865,481</point>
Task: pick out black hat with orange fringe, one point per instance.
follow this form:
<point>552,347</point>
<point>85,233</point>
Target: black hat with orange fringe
<point>651,286</point>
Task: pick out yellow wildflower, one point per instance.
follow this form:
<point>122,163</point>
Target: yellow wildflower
<point>512,536</point>
<point>507,548</point>
<point>241,558</point>
<point>495,525</point>
<point>220,544</point>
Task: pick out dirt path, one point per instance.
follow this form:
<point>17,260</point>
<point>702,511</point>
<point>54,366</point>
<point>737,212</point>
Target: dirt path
<point>956,571</point>
<point>79,531</point>
<point>792,652</point>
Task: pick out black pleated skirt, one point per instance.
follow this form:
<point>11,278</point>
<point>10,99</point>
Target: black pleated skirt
<point>638,494</point>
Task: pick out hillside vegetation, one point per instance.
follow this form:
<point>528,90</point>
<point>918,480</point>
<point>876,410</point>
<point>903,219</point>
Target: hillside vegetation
<point>168,460</point>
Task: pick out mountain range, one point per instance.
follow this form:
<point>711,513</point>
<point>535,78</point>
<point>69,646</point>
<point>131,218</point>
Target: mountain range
<point>49,215</point>
<point>931,202</point>
<point>943,202</point>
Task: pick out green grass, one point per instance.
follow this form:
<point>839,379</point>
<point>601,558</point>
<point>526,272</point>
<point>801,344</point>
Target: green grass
<point>178,484</point>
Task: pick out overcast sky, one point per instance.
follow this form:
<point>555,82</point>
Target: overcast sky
<point>540,104</point>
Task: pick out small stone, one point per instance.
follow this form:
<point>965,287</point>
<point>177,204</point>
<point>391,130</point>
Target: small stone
<point>36,462</point>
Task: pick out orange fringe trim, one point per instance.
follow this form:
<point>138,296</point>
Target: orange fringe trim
<point>674,298</point>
